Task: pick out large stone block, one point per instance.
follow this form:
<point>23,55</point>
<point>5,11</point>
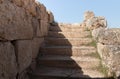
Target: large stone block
<point>96,22</point>
<point>40,27</point>
<point>8,64</point>
<point>43,28</point>
<point>38,10</point>
<point>110,55</point>
<point>50,17</point>
<point>17,2</point>
<point>24,53</point>
<point>96,33</point>
<point>110,37</point>
<point>92,22</point>
<point>30,6</point>
<point>88,15</point>
<point>36,27</point>
<point>44,13</point>
<point>24,75</point>
<point>15,22</point>
<point>36,44</point>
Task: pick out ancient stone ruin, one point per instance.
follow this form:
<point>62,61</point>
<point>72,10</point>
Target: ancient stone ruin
<point>34,46</point>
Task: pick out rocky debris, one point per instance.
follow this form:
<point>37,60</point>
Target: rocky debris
<point>96,22</point>
<point>88,15</point>
<point>93,22</point>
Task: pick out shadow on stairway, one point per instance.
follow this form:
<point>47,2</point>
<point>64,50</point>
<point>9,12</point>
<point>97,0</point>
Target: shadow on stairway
<point>64,55</point>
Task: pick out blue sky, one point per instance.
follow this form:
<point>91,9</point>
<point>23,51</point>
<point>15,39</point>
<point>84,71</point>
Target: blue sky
<point>71,11</point>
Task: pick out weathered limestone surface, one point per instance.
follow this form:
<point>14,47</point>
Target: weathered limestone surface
<point>15,22</point>
<point>23,26</point>
<point>44,28</point>
<point>29,5</point>
<point>8,63</point>
<point>110,37</point>
<point>24,53</point>
<point>51,17</point>
<point>25,23</point>
<point>88,15</point>
<point>93,22</point>
<point>108,42</point>
<point>96,33</point>
<point>36,44</point>
<point>110,56</point>
<point>109,48</point>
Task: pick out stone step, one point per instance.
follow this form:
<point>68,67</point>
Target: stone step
<point>68,50</point>
<point>68,41</point>
<point>69,61</point>
<point>69,34</point>
<point>66,29</point>
<point>66,73</point>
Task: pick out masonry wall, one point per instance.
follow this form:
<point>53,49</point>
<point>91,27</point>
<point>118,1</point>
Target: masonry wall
<point>108,44</point>
<point>23,26</point>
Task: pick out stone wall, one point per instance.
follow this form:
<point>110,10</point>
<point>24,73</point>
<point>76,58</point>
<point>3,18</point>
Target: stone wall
<point>109,49</point>
<point>108,42</point>
<point>92,22</point>
<point>23,26</point>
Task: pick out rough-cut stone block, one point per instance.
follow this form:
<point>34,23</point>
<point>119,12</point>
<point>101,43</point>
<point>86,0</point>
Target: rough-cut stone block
<point>50,17</point>
<point>24,54</point>
<point>23,75</point>
<point>88,15</point>
<point>8,64</point>
<point>96,33</point>
<point>36,44</point>
<point>1,1</point>
<point>110,37</point>
<point>96,22</point>
<point>44,13</point>
<point>38,10</point>
<point>17,2</point>
<point>30,6</point>
<point>36,27</point>
<point>15,23</point>
<point>43,28</point>
<point>110,55</point>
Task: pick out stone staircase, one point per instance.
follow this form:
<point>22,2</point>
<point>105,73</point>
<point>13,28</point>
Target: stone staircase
<point>69,53</point>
